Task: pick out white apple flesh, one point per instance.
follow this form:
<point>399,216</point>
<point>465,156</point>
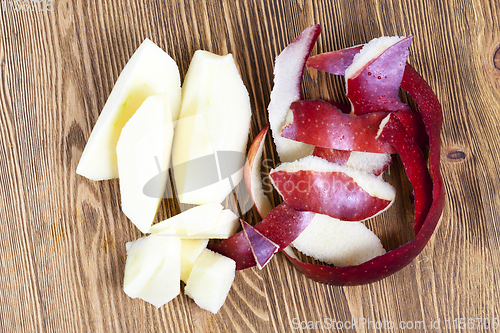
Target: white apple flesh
<point>195,222</point>
<point>150,71</point>
<point>338,242</point>
<point>210,280</point>
<point>143,151</point>
<point>213,91</point>
<point>191,250</point>
<point>288,70</point>
<point>153,269</point>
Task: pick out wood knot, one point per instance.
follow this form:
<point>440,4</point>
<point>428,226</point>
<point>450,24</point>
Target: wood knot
<point>496,58</point>
<point>456,155</point>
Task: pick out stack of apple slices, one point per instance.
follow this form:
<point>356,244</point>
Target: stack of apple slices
<point>177,251</point>
<point>143,121</point>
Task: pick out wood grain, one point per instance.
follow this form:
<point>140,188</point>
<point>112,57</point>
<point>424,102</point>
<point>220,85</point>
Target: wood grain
<point>63,237</point>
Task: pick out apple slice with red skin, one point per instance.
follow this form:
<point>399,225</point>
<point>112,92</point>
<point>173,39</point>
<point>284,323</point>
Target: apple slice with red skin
<point>253,179</point>
<point>288,72</point>
<point>282,225</point>
<point>373,80</point>
<point>263,249</point>
<point>316,185</point>
<point>321,124</point>
<point>391,262</point>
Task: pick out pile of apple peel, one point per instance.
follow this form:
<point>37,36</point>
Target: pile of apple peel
<point>332,158</point>
<point>150,123</point>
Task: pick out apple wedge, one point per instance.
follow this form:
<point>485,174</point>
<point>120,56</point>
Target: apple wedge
<point>374,77</point>
<point>263,249</point>
<point>214,118</point>
<point>288,71</point>
<point>337,242</point>
<point>210,280</point>
<point>153,268</point>
<point>190,251</point>
<point>316,185</point>
<point>321,124</point>
<point>371,163</point>
<point>142,151</point>
<point>253,179</point>
<point>150,71</point>
<point>196,222</point>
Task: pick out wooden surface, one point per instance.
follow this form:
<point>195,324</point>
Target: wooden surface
<point>62,237</point>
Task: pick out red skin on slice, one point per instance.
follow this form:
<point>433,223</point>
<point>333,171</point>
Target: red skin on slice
<point>334,62</point>
<point>376,86</point>
<point>332,155</point>
<point>253,180</point>
<point>321,124</point>
<point>282,226</point>
<point>262,248</point>
<point>330,193</point>
<point>391,262</point>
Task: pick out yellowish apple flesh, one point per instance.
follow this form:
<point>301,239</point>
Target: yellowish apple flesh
<point>210,280</point>
<point>143,151</point>
<point>205,221</point>
<point>195,222</point>
<point>214,94</point>
<point>153,269</point>
<point>191,249</point>
<point>150,71</point>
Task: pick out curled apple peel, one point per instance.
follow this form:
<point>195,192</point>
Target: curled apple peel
<point>405,132</point>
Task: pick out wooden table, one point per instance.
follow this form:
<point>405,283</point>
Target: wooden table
<point>62,244</point>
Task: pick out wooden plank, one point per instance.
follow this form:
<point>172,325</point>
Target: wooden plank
<point>63,237</point>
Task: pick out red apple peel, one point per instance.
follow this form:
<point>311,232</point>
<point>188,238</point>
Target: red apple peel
<point>375,87</point>
<point>391,262</point>
<point>282,226</point>
<point>321,124</point>
<point>263,249</point>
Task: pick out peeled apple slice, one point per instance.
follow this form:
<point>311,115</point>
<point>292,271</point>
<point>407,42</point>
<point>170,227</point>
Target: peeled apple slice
<point>191,250</point>
<point>195,222</point>
<point>210,280</point>
<point>150,71</point>
<point>143,151</point>
<point>153,269</point>
<point>217,103</point>
<point>338,242</point>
